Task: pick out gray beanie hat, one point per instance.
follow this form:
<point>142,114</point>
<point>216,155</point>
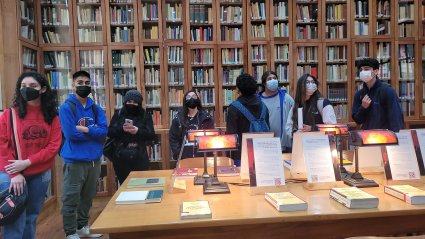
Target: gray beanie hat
<point>133,95</point>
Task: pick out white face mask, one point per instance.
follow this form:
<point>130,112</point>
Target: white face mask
<point>366,76</point>
<point>310,88</point>
<point>272,85</point>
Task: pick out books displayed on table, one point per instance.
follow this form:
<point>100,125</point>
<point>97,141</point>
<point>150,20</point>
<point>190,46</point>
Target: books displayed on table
<point>406,193</point>
<point>227,171</point>
<point>138,197</point>
<point>185,172</point>
<point>146,182</point>
<point>195,210</point>
<point>353,197</point>
<point>285,201</point>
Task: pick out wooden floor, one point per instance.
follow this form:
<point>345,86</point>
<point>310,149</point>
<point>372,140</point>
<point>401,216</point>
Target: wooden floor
<point>52,226</point>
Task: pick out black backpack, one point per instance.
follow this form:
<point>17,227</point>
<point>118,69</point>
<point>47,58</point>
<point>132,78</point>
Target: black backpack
<point>73,108</point>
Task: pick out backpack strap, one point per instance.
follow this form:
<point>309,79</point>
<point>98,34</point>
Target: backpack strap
<point>238,105</point>
<point>263,111</point>
<point>283,112</point>
<point>74,109</point>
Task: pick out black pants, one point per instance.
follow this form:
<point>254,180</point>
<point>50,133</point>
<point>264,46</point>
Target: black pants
<point>123,167</point>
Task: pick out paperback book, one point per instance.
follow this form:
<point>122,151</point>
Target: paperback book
<point>353,197</point>
<point>195,210</point>
<point>285,201</point>
<point>227,171</point>
<point>146,182</point>
<point>406,193</point>
<point>185,172</point>
<point>139,197</point>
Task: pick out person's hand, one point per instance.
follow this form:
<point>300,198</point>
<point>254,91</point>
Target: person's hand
<point>17,183</point>
<point>132,130</point>
<point>306,128</point>
<point>366,101</point>
<point>17,166</point>
<point>82,129</point>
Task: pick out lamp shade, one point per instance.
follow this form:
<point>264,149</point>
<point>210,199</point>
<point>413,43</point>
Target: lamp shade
<point>341,129</point>
<point>191,134</point>
<point>215,143</point>
<point>374,137</point>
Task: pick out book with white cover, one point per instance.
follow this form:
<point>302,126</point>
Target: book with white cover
<point>195,209</point>
<point>353,197</point>
<point>285,201</point>
<point>137,197</point>
<point>406,193</point>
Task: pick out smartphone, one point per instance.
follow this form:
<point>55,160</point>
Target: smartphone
<point>128,121</point>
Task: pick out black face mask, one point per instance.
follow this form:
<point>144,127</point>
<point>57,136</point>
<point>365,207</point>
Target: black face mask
<point>83,91</point>
<point>192,103</point>
<point>29,93</point>
<point>132,109</point>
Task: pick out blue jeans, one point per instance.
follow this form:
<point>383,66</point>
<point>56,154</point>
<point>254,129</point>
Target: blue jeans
<point>24,226</point>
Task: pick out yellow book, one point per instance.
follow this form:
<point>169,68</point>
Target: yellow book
<point>406,193</point>
<point>147,57</point>
<point>195,209</point>
<point>285,201</point>
<point>353,197</point>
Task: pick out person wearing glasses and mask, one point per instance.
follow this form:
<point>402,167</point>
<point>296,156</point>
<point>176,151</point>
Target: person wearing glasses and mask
<point>376,105</point>
<point>191,117</point>
<point>316,108</point>
<point>84,127</point>
<point>279,104</point>
<point>131,127</point>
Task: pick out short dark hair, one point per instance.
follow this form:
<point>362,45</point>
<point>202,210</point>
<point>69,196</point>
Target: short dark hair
<point>266,75</point>
<point>246,84</point>
<point>80,73</point>
<point>372,62</point>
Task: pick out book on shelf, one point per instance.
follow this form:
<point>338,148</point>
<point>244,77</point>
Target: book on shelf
<point>353,197</point>
<point>227,171</point>
<point>285,201</point>
<point>407,193</point>
<point>185,172</point>
<point>139,197</point>
<point>146,182</point>
<point>195,210</point>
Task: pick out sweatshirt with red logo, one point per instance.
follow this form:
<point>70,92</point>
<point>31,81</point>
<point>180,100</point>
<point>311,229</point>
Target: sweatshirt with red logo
<point>39,142</point>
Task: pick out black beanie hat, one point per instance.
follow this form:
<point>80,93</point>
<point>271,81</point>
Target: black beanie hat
<point>133,95</point>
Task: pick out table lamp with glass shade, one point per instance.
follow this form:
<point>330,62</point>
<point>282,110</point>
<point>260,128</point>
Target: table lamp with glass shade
<point>215,144</point>
<point>190,138</point>
<point>363,138</point>
<point>339,130</point>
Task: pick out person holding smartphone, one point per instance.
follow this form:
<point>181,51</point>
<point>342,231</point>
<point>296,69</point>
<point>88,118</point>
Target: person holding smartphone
<point>131,127</point>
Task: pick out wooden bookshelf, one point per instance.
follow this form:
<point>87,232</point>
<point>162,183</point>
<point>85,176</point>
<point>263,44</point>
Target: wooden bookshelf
<point>55,23</point>
<point>27,23</point>
<point>361,19</point>
<point>122,23</point>
<point>200,21</point>
<point>90,21</point>
<point>29,56</point>
<point>150,16</point>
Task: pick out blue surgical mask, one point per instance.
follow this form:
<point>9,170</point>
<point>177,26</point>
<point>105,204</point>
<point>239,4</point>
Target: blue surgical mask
<point>272,85</point>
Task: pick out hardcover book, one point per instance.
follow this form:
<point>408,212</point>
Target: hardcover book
<point>285,201</point>
<point>138,197</point>
<point>195,209</point>
<point>146,182</point>
<point>227,171</point>
<point>185,172</point>
<point>406,193</point>
<point>353,197</point>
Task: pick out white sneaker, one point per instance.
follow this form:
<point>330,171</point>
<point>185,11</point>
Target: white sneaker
<point>73,236</point>
<point>85,232</point>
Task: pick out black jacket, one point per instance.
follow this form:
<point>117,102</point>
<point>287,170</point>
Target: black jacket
<point>145,134</point>
<point>237,123</point>
<point>179,128</point>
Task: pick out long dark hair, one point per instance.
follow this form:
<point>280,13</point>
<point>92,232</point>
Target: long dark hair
<point>49,104</point>
<point>185,109</point>
<point>300,94</point>
<point>264,79</point>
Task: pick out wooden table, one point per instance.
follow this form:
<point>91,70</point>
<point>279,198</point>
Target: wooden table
<point>239,215</point>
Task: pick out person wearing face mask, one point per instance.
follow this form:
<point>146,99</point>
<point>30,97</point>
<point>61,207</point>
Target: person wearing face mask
<point>376,105</point>
<point>279,104</point>
<point>316,108</point>
<point>84,127</point>
<point>191,117</point>
<point>39,134</point>
<point>131,127</point>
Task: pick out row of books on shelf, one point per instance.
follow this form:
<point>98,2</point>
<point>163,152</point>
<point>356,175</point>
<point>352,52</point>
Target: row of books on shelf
<point>174,32</point>
<point>406,30</point>
<point>232,56</point>
<point>307,13</point>
<point>204,56</point>
<point>90,35</point>
<point>259,53</point>
<point>406,11</point>
<point>337,93</point>
<point>201,34</point>
<point>258,10</point>
<point>156,117</point>
<point>407,70</point>
<point>310,69</point>
<point>150,32</point>
<point>154,152</point>
<point>123,34</point>
<point>258,72</point>
<point>173,11</point>
<point>336,54</point>
<point>336,73</point>
<point>93,58</point>
<point>308,54</point>
<point>175,54</point>
<point>175,97</point>
<point>28,32</point>
<point>149,12</point>
<point>151,55</point>
<point>200,14</point>
<point>99,98</point>
<point>341,111</point>
<point>229,33</point>
<point>57,59</point>
<point>55,37</point>
<point>89,16</point>
<point>280,10</point>
<point>152,77</point>
<point>55,16</point>
<point>361,9</point>
<point>307,32</point>
<point>203,77</point>
<point>97,78</point>
<point>231,14</point>
<point>336,12</point>
<point>175,76</point>
<point>361,28</point>
<point>27,11</point>
<point>59,80</point>
<point>153,97</point>
<point>258,31</point>
<point>29,57</point>
<point>408,107</point>
<point>122,14</point>
<point>282,72</point>
<point>281,29</point>
<point>336,32</point>
<point>230,75</point>
<point>207,96</point>
<point>406,91</point>
<point>384,51</point>
<point>123,58</point>
<point>229,95</point>
<point>124,78</point>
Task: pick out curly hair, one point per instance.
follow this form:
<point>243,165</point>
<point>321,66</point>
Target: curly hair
<point>246,84</point>
<point>49,104</point>
<point>368,62</point>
